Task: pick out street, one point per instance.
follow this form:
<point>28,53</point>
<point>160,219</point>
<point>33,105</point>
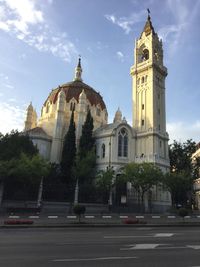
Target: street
<point>102,246</point>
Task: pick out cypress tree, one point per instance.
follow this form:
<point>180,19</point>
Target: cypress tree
<point>69,152</point>
<point>86,141</point>
<point>86,160</point>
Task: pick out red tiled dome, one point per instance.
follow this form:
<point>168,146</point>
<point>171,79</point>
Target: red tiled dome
<point>73,90</point>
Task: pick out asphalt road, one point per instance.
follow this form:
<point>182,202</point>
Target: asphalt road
<point>75,247</point>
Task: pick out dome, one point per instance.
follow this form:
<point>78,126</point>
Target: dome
<point>73,90</point>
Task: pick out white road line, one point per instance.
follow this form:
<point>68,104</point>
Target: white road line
<point>52,217</point>
<point>171,217</point>
<point>14,217</point>
<point>163,235</point>
<point>126,236</point>
<point>139,217</point>
<point>34,217</point>
<point>71,217</point>
<point>123,217</point>
<point>95,259</point>
<point>89,217</point>
<point>194,246</point>
<point>141,246</point>
<point>106,216</point>
<point>139,236</point>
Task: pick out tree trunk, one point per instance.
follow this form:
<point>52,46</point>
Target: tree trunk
<point>39,199</point>
<point>142,202</point>
<point>76,193</point>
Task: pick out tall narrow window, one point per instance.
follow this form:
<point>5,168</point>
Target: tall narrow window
<point>72,106</point>
<point>143,79</point>
<point>123,143</point>
<point>47,108</point>
<point>98,112</point>
<point>142,122</point>
<point>103,151</point>
<point>143,106</point>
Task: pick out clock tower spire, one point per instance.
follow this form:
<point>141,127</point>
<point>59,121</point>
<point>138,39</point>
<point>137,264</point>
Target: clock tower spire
<point>148,94</point>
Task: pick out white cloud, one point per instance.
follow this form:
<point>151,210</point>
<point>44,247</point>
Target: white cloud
<point>120,56</point>
<point>5,82</point>
<point>26,22</point>
<point>19,15</point>
<point>183,13</point>
<point>8,86</point>
<point>126,23</point>
<point>13,117</point>
<point>182,131</point>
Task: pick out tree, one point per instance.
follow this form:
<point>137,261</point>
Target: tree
<point>69,156</point>
<point>86,161</point>
<point>179,185</point>
<point>85,173</point>
<point>142,176</point>
<point>23,176</point>
<point>11,147</point>
<point>13,144</point>
<point>180,156</point>
<point>183,171</point>
<point>105,180</point>
<point>54,188</point>
<point>87,140</point>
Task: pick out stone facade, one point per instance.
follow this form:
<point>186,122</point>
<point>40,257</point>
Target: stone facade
<point>117,143</point>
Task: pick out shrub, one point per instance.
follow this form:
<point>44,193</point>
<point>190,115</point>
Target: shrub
<point>79,210</point>
<point>14,222</point>
<point>182,212</point>
<point>131,221</point>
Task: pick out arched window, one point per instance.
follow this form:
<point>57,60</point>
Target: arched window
<point>123,143</point>
<point>145,54</point>
<point>103,151</point>
<point>47,108</point>
<point>72,106</point>
<point>98,112</point>
<point>143,79</point>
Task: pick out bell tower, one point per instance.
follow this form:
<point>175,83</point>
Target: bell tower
<point>148,96</point>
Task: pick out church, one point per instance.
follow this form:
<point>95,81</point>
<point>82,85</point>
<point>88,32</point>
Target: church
<point>117,143</point>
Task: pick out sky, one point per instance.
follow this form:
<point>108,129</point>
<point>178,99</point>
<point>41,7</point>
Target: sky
<point>40,42</point>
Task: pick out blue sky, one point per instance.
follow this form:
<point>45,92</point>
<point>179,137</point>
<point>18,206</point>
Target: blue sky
<point>40,42</point>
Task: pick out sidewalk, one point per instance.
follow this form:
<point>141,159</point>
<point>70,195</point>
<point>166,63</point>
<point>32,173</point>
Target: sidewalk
<point>62,220</point>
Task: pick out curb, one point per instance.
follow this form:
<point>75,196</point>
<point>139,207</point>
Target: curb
<point>77,225</point>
